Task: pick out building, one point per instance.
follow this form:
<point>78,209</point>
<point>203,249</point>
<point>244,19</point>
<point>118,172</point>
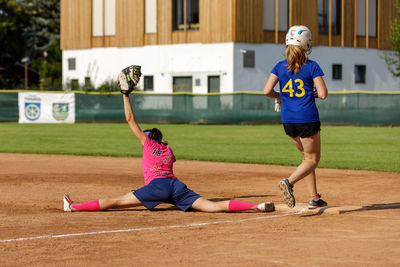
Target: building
<point>225,46</point>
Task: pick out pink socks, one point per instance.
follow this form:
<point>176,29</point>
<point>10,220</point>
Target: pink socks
<point>88,206</point>
<point>235,205</point>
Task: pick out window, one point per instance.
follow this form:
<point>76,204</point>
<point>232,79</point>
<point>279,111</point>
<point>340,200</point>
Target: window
<point>87,81</point>
<point>72,63</point>
<point>336,71</point>
<point>74,84</point>
<point>323,16</point>
<point>150,16</point>
<point>177,15</point>
<point>148,83</point>
<point>88,84</point>
<point>192,15</point>
<point>103,17</point>
<point>182,84</point>
<point>213,101</point>
<point>213,84</point>
<point>269,15</point>
<point>359,73</point>
<point>248,58</point>
<point>361,22</point>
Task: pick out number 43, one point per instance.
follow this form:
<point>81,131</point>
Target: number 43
<point>289,87</point>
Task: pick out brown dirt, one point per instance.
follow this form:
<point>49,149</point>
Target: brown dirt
<point>32,187</point>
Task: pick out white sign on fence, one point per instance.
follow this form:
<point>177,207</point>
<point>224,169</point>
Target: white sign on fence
<point>46,107</point>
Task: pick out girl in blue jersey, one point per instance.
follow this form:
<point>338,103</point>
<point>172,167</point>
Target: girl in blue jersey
<point>297,76</point>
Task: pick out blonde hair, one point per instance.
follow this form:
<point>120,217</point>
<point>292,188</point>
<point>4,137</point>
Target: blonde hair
<point>296,56</point>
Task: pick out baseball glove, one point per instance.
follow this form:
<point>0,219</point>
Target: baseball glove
<point>128,78</point>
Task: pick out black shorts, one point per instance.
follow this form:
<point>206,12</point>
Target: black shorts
<point>302,129</point>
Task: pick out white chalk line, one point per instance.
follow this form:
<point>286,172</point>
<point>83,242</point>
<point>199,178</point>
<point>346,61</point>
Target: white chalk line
<point>149,228</point>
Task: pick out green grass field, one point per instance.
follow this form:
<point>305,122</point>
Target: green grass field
<point>343,147</point>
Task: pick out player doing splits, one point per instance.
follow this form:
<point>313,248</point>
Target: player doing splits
<point>297,76</point>
<point>161,185</point>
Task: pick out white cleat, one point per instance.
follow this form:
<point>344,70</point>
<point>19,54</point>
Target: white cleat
<point>67,203</point>
<point>266,206</point>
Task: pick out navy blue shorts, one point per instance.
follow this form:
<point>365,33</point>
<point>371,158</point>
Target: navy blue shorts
<point>302,129</point>
<point>166,190</point>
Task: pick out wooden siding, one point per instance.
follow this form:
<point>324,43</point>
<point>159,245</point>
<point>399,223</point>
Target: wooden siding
<point>249,22</point>
<point>164,22</point>
<point>388,13</point>
<point>129,23</point>
<point>75,24</point>
<point>269,37</point>
<point>306,15</point>
<point>216,21</point>
<point>220,21</point>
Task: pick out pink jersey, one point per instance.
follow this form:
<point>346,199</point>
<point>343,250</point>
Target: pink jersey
<point>157,161</point>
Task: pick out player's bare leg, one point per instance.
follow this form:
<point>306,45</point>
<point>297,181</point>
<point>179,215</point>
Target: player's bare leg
<point>205,205</point>
<point>128,200</point>
<point>310,148</point>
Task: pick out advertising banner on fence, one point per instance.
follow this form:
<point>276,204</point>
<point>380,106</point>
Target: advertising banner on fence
<point>46,107</point>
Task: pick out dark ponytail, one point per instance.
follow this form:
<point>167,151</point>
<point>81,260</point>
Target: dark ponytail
<point>156,135</point>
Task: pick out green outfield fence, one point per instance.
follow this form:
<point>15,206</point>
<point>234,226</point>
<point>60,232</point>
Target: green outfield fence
<point>352,108</point>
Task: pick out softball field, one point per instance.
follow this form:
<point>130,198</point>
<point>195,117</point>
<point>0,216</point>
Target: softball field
<point>361,226</point>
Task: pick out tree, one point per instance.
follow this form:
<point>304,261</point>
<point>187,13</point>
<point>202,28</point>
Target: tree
<point>392,58</point>
<point>30,28</point>
<point>13,20</point>
<point>44,26</point>
<point>43,41</point>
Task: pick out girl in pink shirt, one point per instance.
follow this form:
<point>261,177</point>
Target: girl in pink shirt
<point>161,185</point>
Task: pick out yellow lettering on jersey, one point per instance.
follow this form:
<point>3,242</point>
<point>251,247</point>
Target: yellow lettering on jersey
<point>300,87</point>
<point>290,90</point>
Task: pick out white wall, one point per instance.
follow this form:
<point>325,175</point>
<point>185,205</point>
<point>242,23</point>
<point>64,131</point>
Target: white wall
<point>378,78</point>
<point>162,61</point>
<point>254,79</point>
<point>225,60</point>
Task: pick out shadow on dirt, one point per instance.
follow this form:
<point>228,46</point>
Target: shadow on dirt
<point>342,210</point>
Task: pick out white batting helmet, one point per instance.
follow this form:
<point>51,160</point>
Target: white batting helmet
<point>299,35</point>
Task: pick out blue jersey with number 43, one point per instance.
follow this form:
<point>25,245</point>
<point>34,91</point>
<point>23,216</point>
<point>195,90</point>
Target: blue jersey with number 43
<point>298,102</point>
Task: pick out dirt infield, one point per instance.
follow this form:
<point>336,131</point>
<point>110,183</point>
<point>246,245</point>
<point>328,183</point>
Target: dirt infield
<point>35,231</point>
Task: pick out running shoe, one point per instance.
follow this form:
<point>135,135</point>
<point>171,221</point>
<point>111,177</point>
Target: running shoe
<point>266,206</point>
<point>313,204</point>
<point>67,203</point>
<point>287,190</point>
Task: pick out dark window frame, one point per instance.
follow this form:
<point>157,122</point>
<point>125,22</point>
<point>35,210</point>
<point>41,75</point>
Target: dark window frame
<point>323,17</point>
<point>192,15</point>
<point>360,74</point>
<point>249,59</point>
<point>209,83</point>
<point>174,78</point>
<point>148,83</point>
<point>71,63</point>
<point>337,72</point>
